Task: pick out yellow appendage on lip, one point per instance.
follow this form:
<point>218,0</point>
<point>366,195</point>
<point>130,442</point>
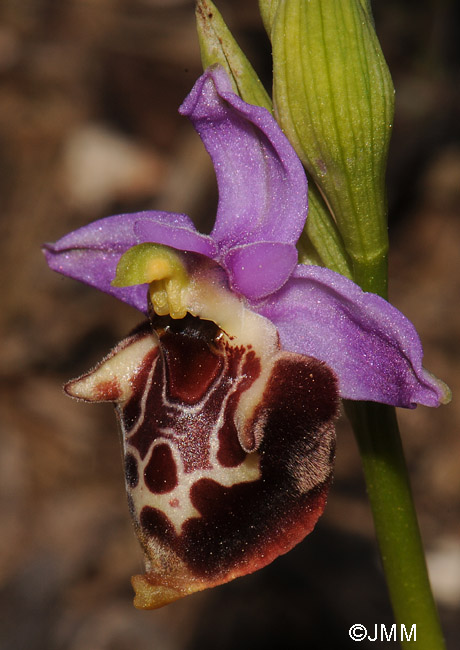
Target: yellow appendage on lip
<point>162,268</point>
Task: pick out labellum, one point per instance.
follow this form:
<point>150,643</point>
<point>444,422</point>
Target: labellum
<point>228,448</point>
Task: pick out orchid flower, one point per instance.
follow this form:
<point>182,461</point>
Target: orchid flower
<point>227,395</point>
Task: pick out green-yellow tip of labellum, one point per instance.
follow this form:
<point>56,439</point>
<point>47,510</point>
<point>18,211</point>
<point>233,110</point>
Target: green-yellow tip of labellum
<point>333,97</point>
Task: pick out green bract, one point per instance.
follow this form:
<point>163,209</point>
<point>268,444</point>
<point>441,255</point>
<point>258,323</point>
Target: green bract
<point>267,10</point>
<point>321,243</point>
<point>217,45</point>
<point>333,97</point>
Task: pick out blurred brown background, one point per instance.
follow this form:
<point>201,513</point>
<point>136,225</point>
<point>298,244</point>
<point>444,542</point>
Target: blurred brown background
<point>89,127</point>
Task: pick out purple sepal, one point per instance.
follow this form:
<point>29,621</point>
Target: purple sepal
<point>262,184</point>
<point>374,350</point>
<point>91,254</point>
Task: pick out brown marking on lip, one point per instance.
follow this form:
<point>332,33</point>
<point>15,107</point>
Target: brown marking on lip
<point>192,367</point>
<point>108,391</point>
<point>132,409</point>
<point>160,474</point>
<point>131,471</point>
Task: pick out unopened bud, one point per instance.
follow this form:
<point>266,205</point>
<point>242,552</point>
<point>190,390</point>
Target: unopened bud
<point>333,97</point>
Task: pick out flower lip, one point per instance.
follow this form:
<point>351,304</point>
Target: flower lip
<point>213,424</point>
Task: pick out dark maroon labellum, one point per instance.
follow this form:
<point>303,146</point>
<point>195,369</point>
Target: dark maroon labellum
<point>219,485</point>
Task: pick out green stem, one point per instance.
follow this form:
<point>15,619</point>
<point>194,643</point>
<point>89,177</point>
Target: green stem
<point>372,274</point>
<point>396,526</point>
